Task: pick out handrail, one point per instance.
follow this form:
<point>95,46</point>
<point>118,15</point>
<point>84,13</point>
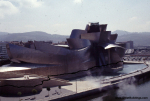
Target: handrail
<point>126,74</point>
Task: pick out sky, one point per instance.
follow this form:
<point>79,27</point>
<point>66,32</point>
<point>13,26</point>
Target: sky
<point>61,16</point>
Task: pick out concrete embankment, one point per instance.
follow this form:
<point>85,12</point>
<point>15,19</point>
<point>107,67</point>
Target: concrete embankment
<point>133,62</point>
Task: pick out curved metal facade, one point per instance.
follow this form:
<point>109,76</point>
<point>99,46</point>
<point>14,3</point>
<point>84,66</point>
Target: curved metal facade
<point>93,46</point>
<point>78,43</point>
<point>113,38</point>
<point>104,37</point>
<point>34,56</point>
<point>103,27</point>
<point>50,49</point>
<point>76,33</point>
<point>93,37</point>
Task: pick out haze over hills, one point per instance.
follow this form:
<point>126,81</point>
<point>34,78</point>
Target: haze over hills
<point>139,38</point>
<point>120,32</point>
<point>35,35</point>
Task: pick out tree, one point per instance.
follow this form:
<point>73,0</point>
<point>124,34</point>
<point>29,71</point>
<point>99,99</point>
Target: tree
<point>19,94</point>
<point>48,89</point>
<point>59,88</point>
<point>34,91</point>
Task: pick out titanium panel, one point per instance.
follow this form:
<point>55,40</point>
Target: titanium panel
<point>92,28</point>
<point>122,44</point>
<point>120,51</point>
<point>34,56</point>
<point>108,46</point>
<point>115,58</point>
<point>76,33</point>
<point>50,49</point>
<point>103,27</point>
<point>80,59</point>
<point>104,37</point>
<point>78,43</point>
<point>32,46</point>
<point>87,27</point>
<point>93,37</point>
<point>113,38</point>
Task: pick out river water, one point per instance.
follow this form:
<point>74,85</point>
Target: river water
<point>134,92</point>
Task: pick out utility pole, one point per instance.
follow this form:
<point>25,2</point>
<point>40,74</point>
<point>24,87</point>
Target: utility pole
<point>76,86</point>
<point>109,57</point>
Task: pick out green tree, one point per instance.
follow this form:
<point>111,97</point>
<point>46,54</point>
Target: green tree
<point>19,94</point>
<point>48,89</point>
<point>34,91</point>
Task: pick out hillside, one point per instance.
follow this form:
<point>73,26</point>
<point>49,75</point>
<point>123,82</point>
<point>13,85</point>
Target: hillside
<point>36,35</point>
<point>142,38</point>
<point>139,38</point>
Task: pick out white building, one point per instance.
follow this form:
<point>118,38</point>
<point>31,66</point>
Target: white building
<point>3,51</point>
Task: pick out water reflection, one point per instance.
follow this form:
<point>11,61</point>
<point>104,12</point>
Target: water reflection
<point>28,65</point>
<point>22,66</point>
<point>128,68</point>
<point>6,69</point>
